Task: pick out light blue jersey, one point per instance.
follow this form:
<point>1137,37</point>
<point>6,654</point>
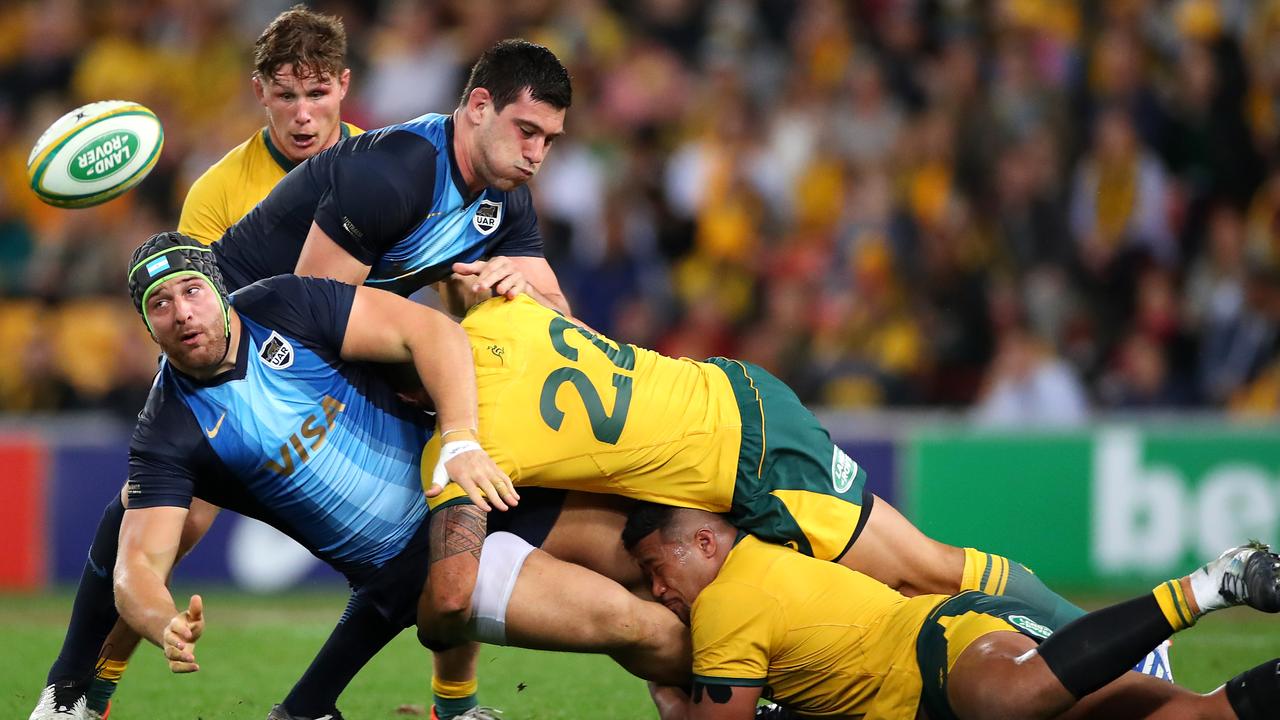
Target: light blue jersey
<point>318,447</point>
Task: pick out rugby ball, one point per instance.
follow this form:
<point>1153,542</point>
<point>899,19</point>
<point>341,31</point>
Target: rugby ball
<point>95,153</point>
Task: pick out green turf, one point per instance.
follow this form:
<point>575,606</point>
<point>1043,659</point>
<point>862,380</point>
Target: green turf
<point>255,647</point>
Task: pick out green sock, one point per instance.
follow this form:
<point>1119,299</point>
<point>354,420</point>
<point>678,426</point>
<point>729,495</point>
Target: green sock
<point>99,695</point>
<point>447,708</point>
<point>997,575</point>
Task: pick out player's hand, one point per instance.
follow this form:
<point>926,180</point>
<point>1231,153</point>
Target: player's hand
<point>498,275</point>
<point>466,463</point>
<point>180,637</point>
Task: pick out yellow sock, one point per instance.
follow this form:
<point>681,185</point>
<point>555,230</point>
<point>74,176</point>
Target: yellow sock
<point>1173,603</point>
<point>453,690</point>
<point>984,572</point>
<point>110,670</point>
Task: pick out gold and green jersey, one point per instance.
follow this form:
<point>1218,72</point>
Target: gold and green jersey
<point>563,407</point>
<point>826,641</point>
<point>230,188</point>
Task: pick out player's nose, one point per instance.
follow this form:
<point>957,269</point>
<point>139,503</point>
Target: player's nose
<point>535,151</point>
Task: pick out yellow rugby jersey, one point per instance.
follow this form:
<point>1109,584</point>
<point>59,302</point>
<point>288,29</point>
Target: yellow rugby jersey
<point>827,641</point>
<point>230,188</point>
<point>562,407</point>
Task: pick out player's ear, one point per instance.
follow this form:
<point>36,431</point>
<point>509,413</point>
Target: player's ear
<point>344,82</point>
<point>705,541</point>
<point>259,90</point>
<point>477,101</point>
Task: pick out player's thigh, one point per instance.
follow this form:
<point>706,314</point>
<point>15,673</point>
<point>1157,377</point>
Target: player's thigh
<point>969,652</point>
<point>557,605</point>
<point>588,532</point>
<point>994,677</point>
<point>895,552</point>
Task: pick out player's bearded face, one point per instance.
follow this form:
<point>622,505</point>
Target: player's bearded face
<point>303,113</point>
<point>513,143</point>
<point>187,322</point>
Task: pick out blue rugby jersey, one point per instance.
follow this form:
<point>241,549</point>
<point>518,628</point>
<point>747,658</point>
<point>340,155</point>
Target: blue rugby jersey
<point>394,199</point>
<point>294,436</point>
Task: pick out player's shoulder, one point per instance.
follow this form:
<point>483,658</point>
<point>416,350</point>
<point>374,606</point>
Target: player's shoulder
<point>303,306</point>
<point>766,565</point>
<point>271,292</point>
<point>238,159</point>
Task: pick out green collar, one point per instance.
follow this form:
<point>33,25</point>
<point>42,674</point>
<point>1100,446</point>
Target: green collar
<point>285,163</point>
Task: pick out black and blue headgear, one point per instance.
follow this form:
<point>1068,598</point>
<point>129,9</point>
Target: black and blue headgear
<point>165,256</point>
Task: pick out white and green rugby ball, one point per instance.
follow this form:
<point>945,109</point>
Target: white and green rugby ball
<point>95,153</point>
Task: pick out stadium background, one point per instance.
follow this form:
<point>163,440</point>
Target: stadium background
<point>1023,254</point>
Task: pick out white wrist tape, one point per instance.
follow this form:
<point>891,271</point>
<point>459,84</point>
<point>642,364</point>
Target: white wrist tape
<point>449,451</point>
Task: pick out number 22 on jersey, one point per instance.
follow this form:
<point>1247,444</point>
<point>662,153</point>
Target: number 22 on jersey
<point>606,426</point>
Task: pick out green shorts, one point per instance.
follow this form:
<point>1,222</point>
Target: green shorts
<point>794,486</point>
<point>956,624</point>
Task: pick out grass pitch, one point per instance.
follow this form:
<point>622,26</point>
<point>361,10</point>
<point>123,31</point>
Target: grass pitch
<point>255,647</point>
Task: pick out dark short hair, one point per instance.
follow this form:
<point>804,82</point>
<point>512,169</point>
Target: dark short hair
<point>644,520</point>
<point>513,66</point>
<point>315,44</point>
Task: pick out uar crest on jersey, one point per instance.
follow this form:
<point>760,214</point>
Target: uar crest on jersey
<point>487,216</point>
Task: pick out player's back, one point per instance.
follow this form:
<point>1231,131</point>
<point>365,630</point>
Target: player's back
<point>564,407</point>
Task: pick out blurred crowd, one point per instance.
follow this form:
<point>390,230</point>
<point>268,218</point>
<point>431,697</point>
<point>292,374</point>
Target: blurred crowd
<point>1032,210</point>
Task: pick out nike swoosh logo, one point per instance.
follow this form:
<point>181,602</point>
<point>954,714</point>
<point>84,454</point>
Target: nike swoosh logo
<point>214,432</point>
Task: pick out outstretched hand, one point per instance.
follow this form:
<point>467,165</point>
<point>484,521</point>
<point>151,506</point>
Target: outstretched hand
<point>466,463</point>
<point>180,637</point>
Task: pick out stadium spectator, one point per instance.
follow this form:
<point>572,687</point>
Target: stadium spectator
<point>725,137</point>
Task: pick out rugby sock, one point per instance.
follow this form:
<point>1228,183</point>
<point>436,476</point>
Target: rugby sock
<point>93,613</point>
<point>1255,694</point>
<point>360,634</point>
<point>452,698</point>
<point>1174,606</point>
<point>1099,647</point>
<point>997,575</point>
<point>105,682</point>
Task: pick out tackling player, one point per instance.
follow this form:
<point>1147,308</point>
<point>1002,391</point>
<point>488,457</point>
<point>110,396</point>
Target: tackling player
<point>753,608</point>
<point>265,403</point>
<point>562,407</point>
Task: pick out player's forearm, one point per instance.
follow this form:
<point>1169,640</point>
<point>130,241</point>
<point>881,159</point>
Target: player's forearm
<point>143,600</point>
<point>455,297</point>
<point>442,356</point>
